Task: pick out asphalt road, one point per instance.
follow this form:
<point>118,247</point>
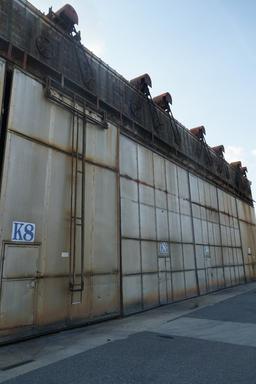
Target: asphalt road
<point>186,350</point>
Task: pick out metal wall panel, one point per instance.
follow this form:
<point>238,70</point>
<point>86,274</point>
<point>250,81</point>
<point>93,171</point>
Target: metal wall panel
<point>20,261</point>
<point>132,299</point>
<point>149,256</point>
<point>128,158</point>
<point>17,303</point>
<point>179,233</point>
<point>131,262</point>
<point>167,198</point>
<point>36,188</point>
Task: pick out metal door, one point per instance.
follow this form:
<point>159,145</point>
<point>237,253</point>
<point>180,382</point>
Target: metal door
<point>19,283</point>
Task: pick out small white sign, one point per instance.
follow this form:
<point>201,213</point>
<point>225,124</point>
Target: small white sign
<point>64,254</point>
<point>22,231</point>
<point>164,249</point>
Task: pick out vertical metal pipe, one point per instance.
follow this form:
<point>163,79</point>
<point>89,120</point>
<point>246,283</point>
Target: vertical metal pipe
<point>83,199</point>
<point>71,202</point>
<point>75,202</point>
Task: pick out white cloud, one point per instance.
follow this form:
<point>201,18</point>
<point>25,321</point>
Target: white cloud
<point>254,152</point>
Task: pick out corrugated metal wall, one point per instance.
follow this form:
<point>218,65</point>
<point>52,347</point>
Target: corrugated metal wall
<point>177,235</point>
<point>36,189</point>
<point>197,225</point>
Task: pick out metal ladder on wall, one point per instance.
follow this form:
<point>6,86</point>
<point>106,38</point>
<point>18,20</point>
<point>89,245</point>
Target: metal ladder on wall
<point>80,118</point>
<point>77,211</point>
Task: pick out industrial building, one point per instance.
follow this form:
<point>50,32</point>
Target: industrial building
<point>108,204</point>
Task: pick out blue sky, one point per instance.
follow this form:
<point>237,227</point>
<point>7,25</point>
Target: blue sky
<point>201,51</point>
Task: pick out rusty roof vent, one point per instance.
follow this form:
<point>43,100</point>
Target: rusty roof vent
<point>163,101</point>
<point>142,83</point>
<point>236,165</point>
<point>66,18</point>
<point>219,150</point>
<point>199,132</point>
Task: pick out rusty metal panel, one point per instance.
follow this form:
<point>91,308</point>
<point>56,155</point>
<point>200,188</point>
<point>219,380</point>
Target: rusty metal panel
<point>221,282</point>
<point>147,222</point>
<point>210,232</point>
<point>146,195</point>
<point>20,261</point>
<point>200,261</point>
<point>178,282</point>
<point>162,224</point>
<point>171,178</point>
<point>174,226</point>
<point>25,166</point>
<point>173,203</point>
<point>201,191</point>
<point>185,208</point>
<point>17,303</point>
<point>193,181</point>
<point>203,213</point>
<point>169,287</point>
<point>162,288</point>
<point>101,225</point>
<point>52,300</point>
<point>150,290</point>
<point>132,300</point>
<point>101,144</point>
<point>207,194</point>
<point>198,231</point>
<point>131,262</point>
<point>130,218</point>
<point>105,296</point>
<point>56,214</point>
<point>128,157</point>
<point>186,229</point>
<point>196,211</point>
<point>220,195</point>
<point>149,256</point>
<point>190,283</point>
<point>176,257</point>
<point>159,172</point>
<point>35,116</point>
<point>161,199</point>
<point>188,255</point>
<point>183,183</point>
<point>44,172</point>
<point>145,165</point>
<point>202,281</point>
<point>161,264</point>
<point>216,234</point>
<point>214,201</point>
<point>227,276</point>
<point>128,189</point>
